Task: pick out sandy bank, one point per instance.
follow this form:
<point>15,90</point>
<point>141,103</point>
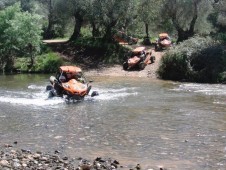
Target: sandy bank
<point>117,70</point>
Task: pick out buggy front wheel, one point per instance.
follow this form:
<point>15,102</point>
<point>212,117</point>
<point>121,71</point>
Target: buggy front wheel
<point>125,65</point>
<point>141,65</point>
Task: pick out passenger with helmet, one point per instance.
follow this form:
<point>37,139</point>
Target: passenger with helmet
<point>57,84</point>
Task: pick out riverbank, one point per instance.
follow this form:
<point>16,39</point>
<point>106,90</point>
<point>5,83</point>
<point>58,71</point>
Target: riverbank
<point>21,159</point>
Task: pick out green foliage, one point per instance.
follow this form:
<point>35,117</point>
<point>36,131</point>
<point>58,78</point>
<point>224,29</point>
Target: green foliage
<point>24,32</point>
<point>46,63</point>
<point>174,66</point>
<point>20,35</point>
<point>197,59</point>
<point>49,63</point>
<point>21,64</point>
<point>221,37</point>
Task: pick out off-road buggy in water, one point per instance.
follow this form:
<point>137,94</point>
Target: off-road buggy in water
<point>163,42</point>
<point>138,58</point>
<point>71,83</point>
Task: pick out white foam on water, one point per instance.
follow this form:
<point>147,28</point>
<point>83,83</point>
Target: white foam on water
<point>207,89</point>
<point>114,94</point>
<point>36,96</point>
<point>34,87</point>
<point>27,101</point>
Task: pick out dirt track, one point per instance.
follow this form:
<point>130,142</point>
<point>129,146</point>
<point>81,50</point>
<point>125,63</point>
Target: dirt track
<point>117,70</point>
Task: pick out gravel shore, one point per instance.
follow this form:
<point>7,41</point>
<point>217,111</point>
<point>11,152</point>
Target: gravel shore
<point>12,158</point>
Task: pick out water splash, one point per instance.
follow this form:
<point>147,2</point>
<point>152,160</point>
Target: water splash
<point>27,101</point>
<point>114,94</point>
<point>33,95</point>
<point>37,96</point>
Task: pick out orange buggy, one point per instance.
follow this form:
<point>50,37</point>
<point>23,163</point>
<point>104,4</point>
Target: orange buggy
<point>163,42</point>
<point>71,82</point>
<point>139,57</point>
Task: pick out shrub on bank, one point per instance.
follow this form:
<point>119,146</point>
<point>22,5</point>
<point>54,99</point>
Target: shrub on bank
<point>45,63</point>
<point>49,63</point>
<point>196,60</point>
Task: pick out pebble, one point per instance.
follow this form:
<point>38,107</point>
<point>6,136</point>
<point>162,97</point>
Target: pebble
<point>22,159</point>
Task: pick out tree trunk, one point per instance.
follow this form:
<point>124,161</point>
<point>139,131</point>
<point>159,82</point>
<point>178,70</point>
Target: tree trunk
<point>49,31</point>
<point>108,34</point>
<point>146,39</point>
<point>95,30</point>
<point>77,27</point>
<point>31,49</point>
<point>146,30</point>
<point>185,34</point>
<point>108,37</point>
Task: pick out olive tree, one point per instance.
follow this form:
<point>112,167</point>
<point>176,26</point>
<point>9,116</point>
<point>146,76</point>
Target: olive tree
<point>111,14</point>
<point>185,14</point>
<point>220,7</point>
<point>54,20</point>
<point>6,3</point>
<point>149,11</point>
<point>78,10</point>
<point>20,35</point>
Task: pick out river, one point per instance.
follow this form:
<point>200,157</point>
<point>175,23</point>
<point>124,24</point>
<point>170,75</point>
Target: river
<point>134,120</point>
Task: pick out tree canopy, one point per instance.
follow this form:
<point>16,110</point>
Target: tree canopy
<point>20,35</point>
<point>21,26</point>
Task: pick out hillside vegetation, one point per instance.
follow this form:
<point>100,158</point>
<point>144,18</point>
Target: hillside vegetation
<point>91,26</point>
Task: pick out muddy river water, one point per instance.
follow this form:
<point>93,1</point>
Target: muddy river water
<point>134,120</point>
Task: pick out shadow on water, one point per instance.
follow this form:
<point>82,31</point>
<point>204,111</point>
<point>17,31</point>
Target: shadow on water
<point>177,125</point>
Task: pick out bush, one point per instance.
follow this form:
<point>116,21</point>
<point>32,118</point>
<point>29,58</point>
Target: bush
<point>173,67</point>
<point>20,34</point>
<point>197,60</point>
<point>46,63</point>
<point>222,37</point>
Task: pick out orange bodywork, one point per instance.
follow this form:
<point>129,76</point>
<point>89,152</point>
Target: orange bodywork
<point>138,50</point>
<point>163,41</point>
<point>70,69</point>
<point>122,38</point>
<point>133,61</point>
<point>75,87</point>
<point>163,35</point>
<point>166,43</point>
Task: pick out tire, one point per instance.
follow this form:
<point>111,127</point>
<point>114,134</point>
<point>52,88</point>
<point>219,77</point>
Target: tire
<point>152,59</point>
<point>51,94</point>
<point>156,47</point>
<point>49,87</point>
<point>125,65</point>
<point>94,93</point>
<point>130,42</point>
<point>141,65</point>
